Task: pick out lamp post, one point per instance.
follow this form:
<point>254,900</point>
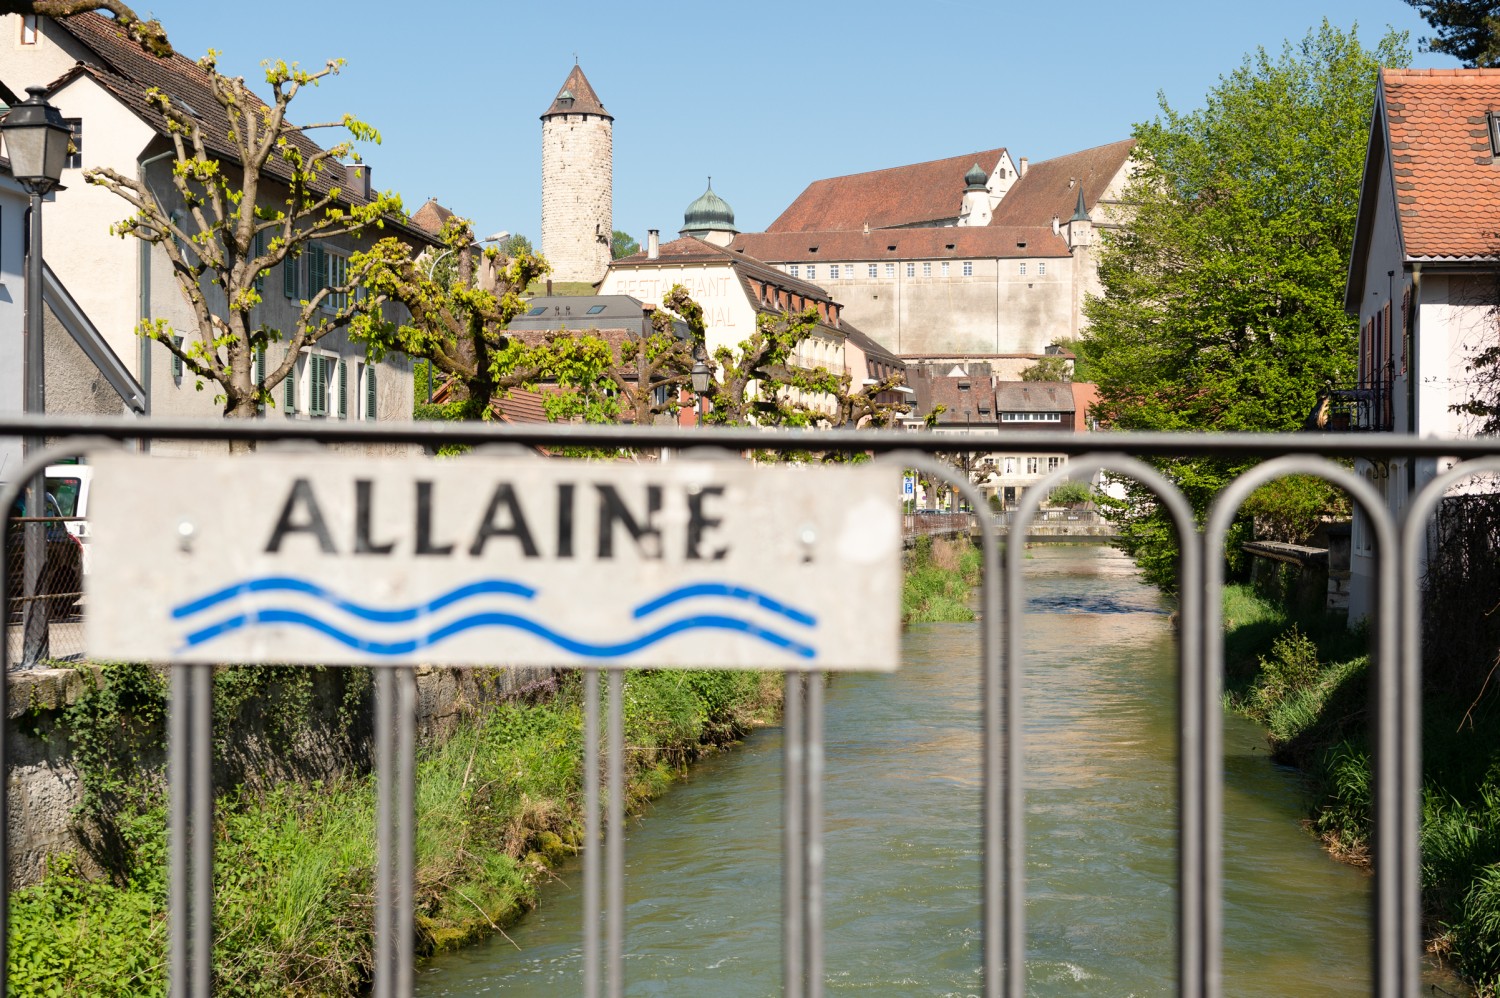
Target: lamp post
<point>498,237</point>
<point>36,140</point>
<point>700,384</point>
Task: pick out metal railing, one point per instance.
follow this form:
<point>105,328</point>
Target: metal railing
<point>57,603</point>
<point>1365,407</point>
<point>1396,948</point>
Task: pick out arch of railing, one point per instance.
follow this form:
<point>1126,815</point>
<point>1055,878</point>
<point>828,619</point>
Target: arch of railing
<point>1396,947</point>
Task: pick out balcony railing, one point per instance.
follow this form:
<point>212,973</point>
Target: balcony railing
<point>1365,407</point>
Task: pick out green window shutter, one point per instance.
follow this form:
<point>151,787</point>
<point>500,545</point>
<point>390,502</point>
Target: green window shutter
<point>289,391</point>
<point>317,385</point>
<point>289,276</point>
<point>317,270</point>
<point>343,389</point>
<point>369,391</point>
<point>257,247</point>
<point>258,374</point>
<point>176,360</point>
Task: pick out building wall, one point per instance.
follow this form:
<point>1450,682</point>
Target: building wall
<point>577,195</point>
<point>12,317</point>
<point>728,316</point>
<point>996,310</point>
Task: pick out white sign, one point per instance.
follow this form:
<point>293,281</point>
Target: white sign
<point>327,559</point>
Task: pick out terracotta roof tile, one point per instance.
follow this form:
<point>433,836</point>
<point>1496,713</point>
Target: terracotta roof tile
<point>902,195</point>
<point>941,243</point>
<point>576,97</point>
<point>1449,183</point>
<point>1047,190</point>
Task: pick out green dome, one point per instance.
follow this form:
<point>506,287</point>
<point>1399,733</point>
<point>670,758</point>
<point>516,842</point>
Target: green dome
<point>710,213</point>
<point>976,178</point>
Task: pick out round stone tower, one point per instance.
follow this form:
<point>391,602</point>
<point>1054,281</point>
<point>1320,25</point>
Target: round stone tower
<point>577,182</point>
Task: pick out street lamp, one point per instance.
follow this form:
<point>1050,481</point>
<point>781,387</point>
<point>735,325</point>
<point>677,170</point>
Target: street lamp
<point>700,384</point>
<point>36,139</point>
<point>498,237</point>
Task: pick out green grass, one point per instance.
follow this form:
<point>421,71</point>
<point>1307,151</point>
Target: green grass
<point>1306,678</point>
<point>496,804</point>
<point>940,575</point>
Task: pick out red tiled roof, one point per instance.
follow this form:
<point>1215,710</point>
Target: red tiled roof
<point>585,101</point>
<point>902,195</point>
<point>689,250</point>
<point>1047,192</point>
<point>1034,396</point>
<point>1447,182</point>
<point>941,243</point>
<point>431,216</point>
<point>127,71</point>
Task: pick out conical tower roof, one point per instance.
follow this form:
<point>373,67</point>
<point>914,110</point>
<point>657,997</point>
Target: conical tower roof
<point>709,213</point>
<point>576,97</point>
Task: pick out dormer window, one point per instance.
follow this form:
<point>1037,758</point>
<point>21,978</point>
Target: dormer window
<point>1493,120</point>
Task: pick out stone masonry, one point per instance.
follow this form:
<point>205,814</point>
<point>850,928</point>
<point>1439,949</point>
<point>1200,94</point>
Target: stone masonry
<point>577,182</point>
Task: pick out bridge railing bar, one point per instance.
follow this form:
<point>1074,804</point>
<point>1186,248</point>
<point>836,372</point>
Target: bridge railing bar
<point>1397,943</point>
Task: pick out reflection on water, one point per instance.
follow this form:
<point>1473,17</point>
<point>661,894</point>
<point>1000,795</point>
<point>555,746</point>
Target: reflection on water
<point>902,802</point>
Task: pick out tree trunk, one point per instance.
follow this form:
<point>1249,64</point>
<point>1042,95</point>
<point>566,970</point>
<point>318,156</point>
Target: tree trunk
<point>241,407</point>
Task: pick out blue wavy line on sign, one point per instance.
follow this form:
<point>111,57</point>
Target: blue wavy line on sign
<point>721,589</point>
<point>572,645</point>
<point>287,584</point>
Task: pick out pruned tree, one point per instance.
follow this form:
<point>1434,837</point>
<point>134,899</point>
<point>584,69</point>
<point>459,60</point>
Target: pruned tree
<point>147,32</point>
<point>1468,30</point>
<point>229,218</point>
<point>459,325</point>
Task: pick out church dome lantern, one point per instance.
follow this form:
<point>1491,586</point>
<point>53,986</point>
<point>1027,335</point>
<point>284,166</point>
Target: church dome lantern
<point>710,218</point>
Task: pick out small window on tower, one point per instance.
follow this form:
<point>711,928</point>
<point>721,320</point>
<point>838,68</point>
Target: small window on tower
<point>28,29</point>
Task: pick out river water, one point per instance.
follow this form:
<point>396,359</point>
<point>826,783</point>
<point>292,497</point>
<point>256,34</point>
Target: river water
<point>703,880</point>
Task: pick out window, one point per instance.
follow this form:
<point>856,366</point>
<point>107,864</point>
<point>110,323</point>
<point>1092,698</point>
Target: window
<point>1010,466</point>
<point>1023,270</point>
<point>1041,270</point>
<point>793,269</point>
<point>595,310</point>
<point>1031,417</point>
<point>968,268</point>
<point>1031,465</point>
<point>890,270</point>
<point>75,143</point>
<point>812,272</point>
<point>926,270</point>
<point>911,270</point>
<point>1053,463</point>
<point>536,310</point>
<point>833,272</point>
<point>945,268</point>
<point>28,29</point>
<point>338,276</point>
<point>319,371</point>
<point>873,271</point>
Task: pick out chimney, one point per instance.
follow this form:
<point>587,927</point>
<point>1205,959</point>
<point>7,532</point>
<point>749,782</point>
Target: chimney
<point>358,180</point>
<point>653,244</point>
<point>1025,165</point>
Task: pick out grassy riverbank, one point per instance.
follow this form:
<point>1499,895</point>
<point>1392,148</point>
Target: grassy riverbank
<point>1307,681</point>
<point>940,574</point>
<point>497,804</point>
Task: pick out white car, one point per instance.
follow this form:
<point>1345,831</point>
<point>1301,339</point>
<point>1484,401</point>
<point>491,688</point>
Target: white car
<point>70,484</point>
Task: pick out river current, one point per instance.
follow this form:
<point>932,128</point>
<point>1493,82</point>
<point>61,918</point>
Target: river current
<point>703,882</point>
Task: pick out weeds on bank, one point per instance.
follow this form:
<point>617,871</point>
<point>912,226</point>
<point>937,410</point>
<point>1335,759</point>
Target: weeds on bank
<point>940,574</point>
<point>497,803</point>
<point>1307,681</point>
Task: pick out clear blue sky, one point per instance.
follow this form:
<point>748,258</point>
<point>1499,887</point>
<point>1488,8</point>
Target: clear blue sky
<point>765,97</point>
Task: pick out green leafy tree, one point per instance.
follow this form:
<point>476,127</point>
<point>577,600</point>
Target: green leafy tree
<point>1222,304</point>
<point>1048,368</point>
<point>516,246</point>
<point>622,244</point>
<point>457,324</point>
<point>228,219</point>
<point>1468,30</point>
